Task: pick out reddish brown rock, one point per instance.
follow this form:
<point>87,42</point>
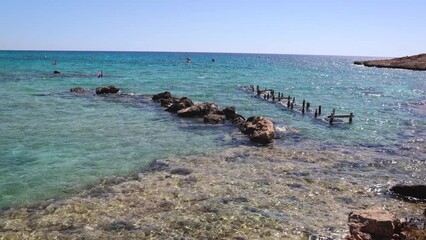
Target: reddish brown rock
<point>198,110</point>
<point>259,129</point>
<point>416,62</point>
<point>214,118</point>
<point>372,224</point>
<point>107,89</point>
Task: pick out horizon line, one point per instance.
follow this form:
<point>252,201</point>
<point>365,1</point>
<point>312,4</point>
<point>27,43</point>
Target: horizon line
<point>195,52</point>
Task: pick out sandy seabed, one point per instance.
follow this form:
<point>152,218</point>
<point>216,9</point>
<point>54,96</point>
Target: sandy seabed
<point>245,192</point>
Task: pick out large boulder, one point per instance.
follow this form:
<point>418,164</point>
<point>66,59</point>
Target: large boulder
<point>198,110</point>
<point>259,129</point>
<point>214,118</point>
<point>163,95</point>
<point>107,89</point>
<point>413,192</point>
<point>372,224</point>
<point>179,104</point>
<point>79,90</point>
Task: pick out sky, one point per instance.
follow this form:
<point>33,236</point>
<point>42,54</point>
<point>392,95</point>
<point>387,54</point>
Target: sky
<point>388,28</point>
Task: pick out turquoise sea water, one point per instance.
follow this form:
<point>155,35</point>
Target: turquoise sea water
<point>53,142</point>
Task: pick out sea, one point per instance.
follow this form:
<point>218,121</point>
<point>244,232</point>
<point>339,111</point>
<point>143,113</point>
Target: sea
<point>54,143</point>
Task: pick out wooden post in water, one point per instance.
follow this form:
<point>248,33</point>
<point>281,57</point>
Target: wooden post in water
<point>332,116</point>
<point>264,96</point>
<point>294,99</point>
<point>351,115</point>
<point>316,113</point>
<point>292,105</point>
<point>273,97</point>
<point>288,103</point>
<point>319,110</point>
<point>303,106</point>
<point>307,106</point>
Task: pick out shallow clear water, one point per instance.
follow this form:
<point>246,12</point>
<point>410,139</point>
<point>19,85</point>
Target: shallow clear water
<point>53,142</point>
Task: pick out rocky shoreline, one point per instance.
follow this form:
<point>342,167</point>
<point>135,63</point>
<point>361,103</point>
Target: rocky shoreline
<point>416,62</point>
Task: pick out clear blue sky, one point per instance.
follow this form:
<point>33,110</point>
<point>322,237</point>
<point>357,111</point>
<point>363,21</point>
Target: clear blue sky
<point>327,27</point>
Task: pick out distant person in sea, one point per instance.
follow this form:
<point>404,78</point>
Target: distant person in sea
<point>54,62</point>
<point>188,60</point>
<point>100,74</point>
<point>213,60</point>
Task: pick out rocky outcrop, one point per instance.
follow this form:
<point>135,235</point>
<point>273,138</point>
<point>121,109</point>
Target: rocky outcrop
<point>56,72</point>
<point>416,62</point>
<point>79,90</point>
<point>107,89</point>
<point>198,110</point>
<point>259,129</point>
<point>413,192</point>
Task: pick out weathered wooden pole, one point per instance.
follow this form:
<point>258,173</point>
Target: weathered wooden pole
<point>294,99</point>
<point>292,105</point>
<point>307,106</point>
<point>316,113</point>
<point>332,116</point>
<point>319,110</point>
<point>303,106</point>
<point>351,115</point>
<point>288,103</point>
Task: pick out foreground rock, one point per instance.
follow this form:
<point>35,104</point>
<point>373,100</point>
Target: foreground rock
<point>373,224</point>
<point>414,192</point>
<point>214,118</point>
<point>107,89</point>
<point>259,129</point>
<point>416,62</point>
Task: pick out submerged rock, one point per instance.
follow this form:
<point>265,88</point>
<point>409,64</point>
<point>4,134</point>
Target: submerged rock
<point>259,129</point>
<point>214,118</point>
<point>414,192</point>
<point>79,90</point>
<point>198,110</point>
<point>56,72</point>
<point>107,89</point>
<point>372,224</point>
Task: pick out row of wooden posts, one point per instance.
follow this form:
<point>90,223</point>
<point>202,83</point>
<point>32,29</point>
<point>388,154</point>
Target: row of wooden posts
<point>270,94</point>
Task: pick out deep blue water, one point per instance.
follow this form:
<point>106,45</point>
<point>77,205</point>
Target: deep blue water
<point>53,142</point>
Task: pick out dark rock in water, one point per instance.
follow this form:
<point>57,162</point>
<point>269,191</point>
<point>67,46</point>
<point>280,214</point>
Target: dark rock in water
<point>238,120</point>
<point>181,171</point>
<point>79,90</point>
<point>198,110</point>
<point>214,118</point>
<point>107,89</point>
<point>372,224</point>
<point>259,129</point>
<point>229,113</point>
<point>163,95</point>
<point>56,72</point>
<point>179,104</point>
<point>414,192</point>
<point>166,102</point>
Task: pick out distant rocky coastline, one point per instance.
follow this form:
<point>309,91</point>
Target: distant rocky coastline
<point>416,62</point>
